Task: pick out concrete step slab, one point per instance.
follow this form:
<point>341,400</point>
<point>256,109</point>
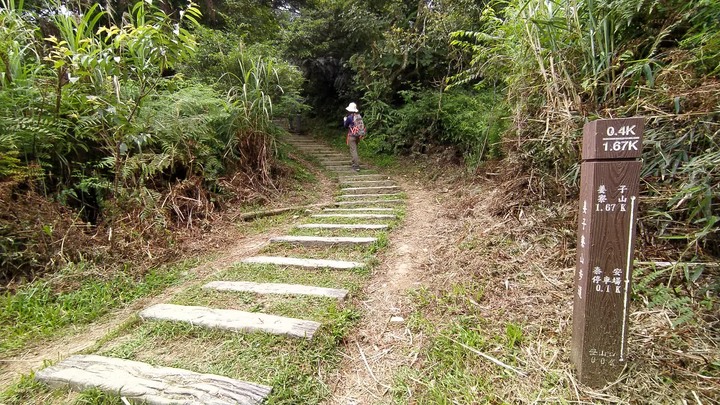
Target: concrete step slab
<point>369,202</point>
<point>366,176</point>
<point>368,216</point>
<point>301,262</point>
<point>361,209</point>
<point>378,195</point>
<point>324,240</point>
<point>276,288</point>
<point>368,183</point>
<point>231,319</point>
<point>318,152</point>
<point>143,383</point>
<point>368,190</point>
<point>343,226</point>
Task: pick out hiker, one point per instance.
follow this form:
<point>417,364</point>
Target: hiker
<point>356,130</point>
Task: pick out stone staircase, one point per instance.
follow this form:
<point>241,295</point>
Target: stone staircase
<point>367,201</point>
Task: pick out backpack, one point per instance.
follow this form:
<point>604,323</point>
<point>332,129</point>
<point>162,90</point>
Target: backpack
<point>358,128</point>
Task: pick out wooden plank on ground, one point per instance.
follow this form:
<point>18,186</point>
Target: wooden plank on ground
<point>343,226</point>
<point>324,240</point>
<point>147,384</point>
<point>231,319</point>
<point>300,262</point>
<point>276,288</point>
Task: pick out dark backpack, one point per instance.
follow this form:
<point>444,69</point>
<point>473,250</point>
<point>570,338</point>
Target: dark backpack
<point>358,128</point>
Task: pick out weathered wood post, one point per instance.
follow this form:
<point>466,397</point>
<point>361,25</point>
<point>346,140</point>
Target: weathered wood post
<point>609,185</point>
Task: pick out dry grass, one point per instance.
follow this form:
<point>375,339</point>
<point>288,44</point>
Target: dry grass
<point>501,284</point>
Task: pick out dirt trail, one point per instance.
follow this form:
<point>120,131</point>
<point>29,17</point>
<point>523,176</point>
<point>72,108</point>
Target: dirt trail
<point>383,343</point>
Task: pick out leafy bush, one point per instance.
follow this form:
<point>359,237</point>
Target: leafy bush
<point>471,121</point>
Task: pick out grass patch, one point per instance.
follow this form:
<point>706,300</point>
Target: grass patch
<point>358,253</point>
<point>453,373</point>
<point>263,224</point>
<point>28,391</point>
<point>336,232</point>
<point>449,372</point>
<point>76,295</point>
<point>265,273</point>
<point>308,307</point>
<point>349,220</point>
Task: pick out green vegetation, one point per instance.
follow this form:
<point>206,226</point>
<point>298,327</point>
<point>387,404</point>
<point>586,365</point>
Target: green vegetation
<point>127,129</point>
<point>117,119</point>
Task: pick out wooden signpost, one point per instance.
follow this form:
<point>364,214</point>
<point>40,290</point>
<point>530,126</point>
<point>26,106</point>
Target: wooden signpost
<point>609,185</point>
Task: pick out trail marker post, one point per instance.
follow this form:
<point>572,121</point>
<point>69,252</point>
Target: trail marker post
<point>609,186</point>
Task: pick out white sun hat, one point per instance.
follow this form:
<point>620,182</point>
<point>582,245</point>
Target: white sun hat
<point>352,107</point>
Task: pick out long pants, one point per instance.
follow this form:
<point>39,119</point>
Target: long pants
<point>352,142</point>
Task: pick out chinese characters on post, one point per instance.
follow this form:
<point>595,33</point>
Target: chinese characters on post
<point>609,187</point>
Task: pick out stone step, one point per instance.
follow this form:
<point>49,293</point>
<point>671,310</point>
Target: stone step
<point>368,190</point>
<point>276,288</point>
<point>300,262</point>
<point>231,319</point>
<point>143,383</point>
<point>343,226</point>
<point>319,152</point>
<point>366,202</point>
<point>371,209</point>
<point>342,169</point>
<point>373,176</point>
<point>324,240</point>
<point>374,216</point>
<point>368,183</point>
<point>369,195</point>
